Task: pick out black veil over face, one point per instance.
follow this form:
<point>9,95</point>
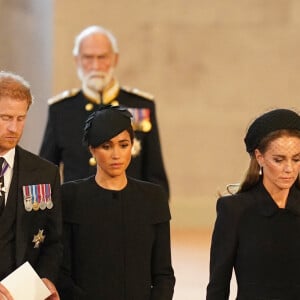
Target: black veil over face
<point>273,120</point>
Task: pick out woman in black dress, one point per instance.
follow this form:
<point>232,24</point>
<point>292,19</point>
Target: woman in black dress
<point>257,230</point>
<point>116,228</point>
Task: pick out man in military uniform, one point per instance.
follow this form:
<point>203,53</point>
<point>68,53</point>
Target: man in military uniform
<point>96,56</point>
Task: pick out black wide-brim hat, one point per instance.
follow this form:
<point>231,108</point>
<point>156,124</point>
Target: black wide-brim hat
<point>105,123</point>
<point>273,120</point>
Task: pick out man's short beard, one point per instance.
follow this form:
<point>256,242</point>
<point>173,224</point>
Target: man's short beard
<point>95,80</point>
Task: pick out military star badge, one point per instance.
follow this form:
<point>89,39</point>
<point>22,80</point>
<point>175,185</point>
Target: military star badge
<point>38,238</point>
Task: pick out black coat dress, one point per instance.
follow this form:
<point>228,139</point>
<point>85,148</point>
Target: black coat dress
<point>261,242</point>
<point>117,243</point>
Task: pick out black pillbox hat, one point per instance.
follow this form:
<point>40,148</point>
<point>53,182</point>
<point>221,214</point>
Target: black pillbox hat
<point>273,120</point>
<point>105,123</point>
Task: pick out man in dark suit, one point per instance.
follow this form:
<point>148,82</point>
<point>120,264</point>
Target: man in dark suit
<point>96,56</point>
<point>30,210</point>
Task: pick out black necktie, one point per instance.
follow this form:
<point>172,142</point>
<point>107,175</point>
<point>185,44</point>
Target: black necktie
<point>2,193</point>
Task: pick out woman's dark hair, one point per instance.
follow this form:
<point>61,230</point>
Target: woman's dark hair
<point>252,176</point>
<point>131,133</point>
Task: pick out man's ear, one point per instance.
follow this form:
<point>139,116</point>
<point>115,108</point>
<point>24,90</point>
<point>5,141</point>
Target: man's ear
<point>116,59</point>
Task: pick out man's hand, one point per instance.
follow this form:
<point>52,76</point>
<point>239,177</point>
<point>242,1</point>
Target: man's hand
<point>4,293</point>
<point>54,294</point>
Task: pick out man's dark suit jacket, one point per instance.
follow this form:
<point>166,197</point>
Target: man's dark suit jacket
<point>261,242</point>
<point>62,141</point>
<point>30,169</point>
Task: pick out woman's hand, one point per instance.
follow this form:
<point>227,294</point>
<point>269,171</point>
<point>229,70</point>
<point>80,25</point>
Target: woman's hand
<point>54,293</point>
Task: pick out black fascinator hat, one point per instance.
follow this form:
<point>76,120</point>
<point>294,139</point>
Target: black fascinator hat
<point>273,120</point>
<point>105,123</point>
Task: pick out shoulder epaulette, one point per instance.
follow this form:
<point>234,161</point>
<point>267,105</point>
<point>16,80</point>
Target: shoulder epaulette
<point>138,92</point>
<point>63,95</point>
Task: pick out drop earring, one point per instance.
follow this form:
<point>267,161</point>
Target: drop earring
<point>92,161</point>
<point>260,171</point>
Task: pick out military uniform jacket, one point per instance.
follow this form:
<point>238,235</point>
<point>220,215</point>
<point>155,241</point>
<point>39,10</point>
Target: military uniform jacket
<point>117,243</point>
<point>29,169</point>
<point>62,141</point>
<point>261,242</point>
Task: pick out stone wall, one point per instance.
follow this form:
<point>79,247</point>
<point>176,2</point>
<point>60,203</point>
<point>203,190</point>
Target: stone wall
<point>212,66</point>
<point>26,49</point>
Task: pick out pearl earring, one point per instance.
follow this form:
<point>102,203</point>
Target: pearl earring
<point>260,170</point>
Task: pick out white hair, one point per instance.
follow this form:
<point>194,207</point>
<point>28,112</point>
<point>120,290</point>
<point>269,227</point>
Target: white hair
<point>95,29</point>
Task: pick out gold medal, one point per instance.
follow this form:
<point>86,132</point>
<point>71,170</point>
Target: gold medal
<point>35,205</point>
<point>145,125</point>
<point>89,107</point>
<point>92,161</point>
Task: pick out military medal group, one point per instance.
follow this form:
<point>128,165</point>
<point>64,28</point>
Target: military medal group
<point>37,196</point>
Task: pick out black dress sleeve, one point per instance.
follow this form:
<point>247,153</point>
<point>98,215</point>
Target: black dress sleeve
<point>67,288</point>
<point>223,250</point>
<point>163,279</point>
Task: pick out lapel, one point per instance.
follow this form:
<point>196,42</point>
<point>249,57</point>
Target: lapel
<point>22,222</point>
<point>267,205</point>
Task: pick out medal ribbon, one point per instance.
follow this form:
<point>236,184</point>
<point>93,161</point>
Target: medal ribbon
<point>27,192</point>
<point>39,192</point>
<point>48,191</point>
<point>145,114</point>
<point>33,189</point>
<point>44,192</point>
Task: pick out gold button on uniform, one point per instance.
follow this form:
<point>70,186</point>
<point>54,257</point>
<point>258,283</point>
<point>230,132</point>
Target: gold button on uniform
<point>89,107</point>
<point>114,103</point>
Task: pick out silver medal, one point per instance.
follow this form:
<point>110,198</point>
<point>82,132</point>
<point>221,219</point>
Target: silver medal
<point>28,204</point>
<point>49,203</point>
<point>43,204</point>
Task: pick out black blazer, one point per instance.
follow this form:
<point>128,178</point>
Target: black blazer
<point>29,169</point>
<point>261,242</point>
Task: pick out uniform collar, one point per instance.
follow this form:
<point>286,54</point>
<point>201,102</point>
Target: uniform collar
<point>108,95</point>
<point>267,205</point>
